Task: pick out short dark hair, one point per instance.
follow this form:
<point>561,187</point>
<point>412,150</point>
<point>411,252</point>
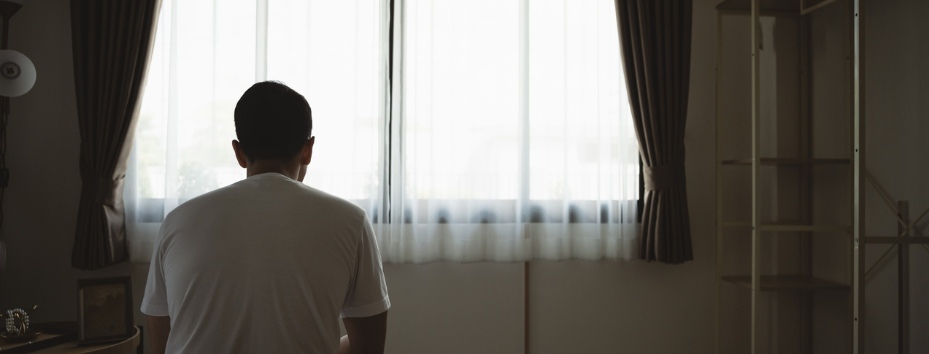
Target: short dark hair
<point>272,121</point>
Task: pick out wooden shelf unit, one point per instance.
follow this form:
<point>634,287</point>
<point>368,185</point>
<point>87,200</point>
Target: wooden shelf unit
<point>804,284</point>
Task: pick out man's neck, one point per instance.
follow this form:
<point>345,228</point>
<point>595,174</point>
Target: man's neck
<point>289,169</point>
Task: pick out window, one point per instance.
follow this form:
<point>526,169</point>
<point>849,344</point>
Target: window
<point>479,130</point>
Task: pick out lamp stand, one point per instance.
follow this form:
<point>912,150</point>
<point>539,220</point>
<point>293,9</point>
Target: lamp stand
<point>7,10</point>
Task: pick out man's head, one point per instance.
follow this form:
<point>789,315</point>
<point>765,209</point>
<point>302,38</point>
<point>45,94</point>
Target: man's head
<point>273,124</point>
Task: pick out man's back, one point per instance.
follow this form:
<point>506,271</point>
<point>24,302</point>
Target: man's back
<point>264,265</point>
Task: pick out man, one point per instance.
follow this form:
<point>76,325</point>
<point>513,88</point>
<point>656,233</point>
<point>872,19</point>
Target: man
<point>267,264</point>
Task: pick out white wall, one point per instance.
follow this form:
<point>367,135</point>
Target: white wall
<point>594,307</point>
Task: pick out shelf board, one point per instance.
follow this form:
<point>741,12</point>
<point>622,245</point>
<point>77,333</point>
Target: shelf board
<point>791,6</point>
<point>785,283</point>
<point>896,240</point>
<point>788,226</point>
<point>737,224</point>
<point>800,227</point>
<point>774,161</point>
<point>772,7</point>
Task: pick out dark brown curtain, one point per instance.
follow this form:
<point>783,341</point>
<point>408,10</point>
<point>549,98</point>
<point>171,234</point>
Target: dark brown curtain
<point>112,42</point>
<point>655,42</point>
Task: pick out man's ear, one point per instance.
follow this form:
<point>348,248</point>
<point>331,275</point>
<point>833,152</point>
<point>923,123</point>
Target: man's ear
<point>307,154</point>
<point>239,155</point>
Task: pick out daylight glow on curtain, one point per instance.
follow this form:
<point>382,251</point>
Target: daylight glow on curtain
<point>330,51</point>
<point>505,134</point>
<point>515,140</point>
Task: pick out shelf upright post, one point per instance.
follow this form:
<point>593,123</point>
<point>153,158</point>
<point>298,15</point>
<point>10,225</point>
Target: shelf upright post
<point>858,77</point>
<point>903,279</point>
<point>853,174</point>
<point>719,185</point>
<point>756,165</point>
<point>806,184</point>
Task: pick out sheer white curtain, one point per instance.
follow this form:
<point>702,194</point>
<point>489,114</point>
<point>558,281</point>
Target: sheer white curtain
<point>512,136</point>
<point>504,134</point>
<point>208,52</point>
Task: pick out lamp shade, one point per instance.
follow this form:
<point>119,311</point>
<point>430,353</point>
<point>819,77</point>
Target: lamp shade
<point>17,74</point>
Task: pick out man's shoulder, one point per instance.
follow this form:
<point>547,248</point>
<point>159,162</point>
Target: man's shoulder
<point>208,199</point>
<point>333,204</point>
<point>297,192</point>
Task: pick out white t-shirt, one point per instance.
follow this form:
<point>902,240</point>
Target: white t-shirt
<point>264,265</point>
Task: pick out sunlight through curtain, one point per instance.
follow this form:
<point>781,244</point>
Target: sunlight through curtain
<point>503,132</point>
<point>515,139</point>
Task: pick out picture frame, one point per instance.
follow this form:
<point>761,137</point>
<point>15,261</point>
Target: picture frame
<point>104,310</point>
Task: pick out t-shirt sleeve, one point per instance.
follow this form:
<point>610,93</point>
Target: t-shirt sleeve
<point>155,301</point>
<point>368,293</point>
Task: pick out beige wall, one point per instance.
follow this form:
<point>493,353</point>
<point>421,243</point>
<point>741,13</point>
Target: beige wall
<point>898,124</point>
<point>593,307</point>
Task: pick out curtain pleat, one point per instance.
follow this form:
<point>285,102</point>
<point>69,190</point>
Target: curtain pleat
<point>111,44</point>
<point>655,38</point>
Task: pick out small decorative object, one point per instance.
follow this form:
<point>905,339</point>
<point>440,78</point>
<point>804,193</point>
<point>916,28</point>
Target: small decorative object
<point>17,326</point>
<point>104,307</point>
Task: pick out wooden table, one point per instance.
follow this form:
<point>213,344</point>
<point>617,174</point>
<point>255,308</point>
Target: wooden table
<point>124,347</point>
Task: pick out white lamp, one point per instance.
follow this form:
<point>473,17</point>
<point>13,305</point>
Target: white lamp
<point>17,73</point>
